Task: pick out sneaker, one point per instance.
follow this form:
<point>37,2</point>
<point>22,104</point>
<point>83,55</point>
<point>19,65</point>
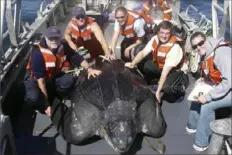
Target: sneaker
<point>199,148</point>
<point>190,131</point>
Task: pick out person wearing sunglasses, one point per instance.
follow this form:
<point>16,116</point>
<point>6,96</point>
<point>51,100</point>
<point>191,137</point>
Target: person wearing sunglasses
<point>165,64</point>
<point>45,72</point>
<point>131,26</point>
<point>215,68</point>
<point>83,31</point>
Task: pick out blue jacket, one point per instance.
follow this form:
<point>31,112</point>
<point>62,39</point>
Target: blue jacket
<point>38,63</point>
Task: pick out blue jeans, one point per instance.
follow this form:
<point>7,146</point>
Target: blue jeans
<point>202,114</point>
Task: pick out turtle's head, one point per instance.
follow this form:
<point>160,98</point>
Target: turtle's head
<point>121,135</point>
<point>120,125</point>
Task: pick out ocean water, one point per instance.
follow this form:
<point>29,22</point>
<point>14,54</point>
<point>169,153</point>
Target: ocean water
<point>30,7</point>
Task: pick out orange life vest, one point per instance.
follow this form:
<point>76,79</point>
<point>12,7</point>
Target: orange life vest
<point>86,38</point>
<point>128,31</point>
<point>84,33</point>
<point>147,18</point>
<point>167,11</point>
<point>160,52</point>
<point>208,67</point>
<point>53,64</point>
<point>145,9</point>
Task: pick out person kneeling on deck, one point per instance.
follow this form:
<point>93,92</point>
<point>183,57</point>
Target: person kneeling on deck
<point>216,68</point>
<point>46,71</point>
<point>168,59</point>
<point>149,4</point>
<point>131,25</point>
<point>83,31</point>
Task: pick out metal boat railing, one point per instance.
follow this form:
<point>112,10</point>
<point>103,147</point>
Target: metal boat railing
<point>13,59</point>
<point>219,31</point>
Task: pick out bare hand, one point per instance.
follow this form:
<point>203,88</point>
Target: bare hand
<point>200,80</point>
<point>48,111</point>
<point>65,69</point>
<point>158,96</point>
<point>129,65</point>
<point>93,72</point>
<point>201,99</point>
<point>110,56</point>
<point>73,46</point>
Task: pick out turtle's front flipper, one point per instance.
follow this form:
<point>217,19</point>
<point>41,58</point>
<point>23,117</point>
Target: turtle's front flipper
<point>151,118</point>
<point>79,123</point>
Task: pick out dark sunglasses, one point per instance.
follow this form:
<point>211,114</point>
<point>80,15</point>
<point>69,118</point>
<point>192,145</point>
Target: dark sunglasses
<point>80,17</point>
<point>54,38</point>
<point>121,17</point>
<point>199,44</point>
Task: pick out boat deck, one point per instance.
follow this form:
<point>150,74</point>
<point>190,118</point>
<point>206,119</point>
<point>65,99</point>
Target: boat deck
<point>35,135</point>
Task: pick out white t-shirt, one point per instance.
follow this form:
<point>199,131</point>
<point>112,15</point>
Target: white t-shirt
<point>138,27</point>
<point>173,57</point>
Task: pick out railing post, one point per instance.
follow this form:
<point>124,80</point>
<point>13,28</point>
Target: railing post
<point>2,57</point>
<point>176,9</point>
<point>10,24</point>
<point>17,17</point>
<point>214,19</point>
<point>223,24</point>
<point>230,16</point>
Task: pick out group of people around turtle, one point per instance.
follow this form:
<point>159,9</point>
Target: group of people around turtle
<point>161,59</point>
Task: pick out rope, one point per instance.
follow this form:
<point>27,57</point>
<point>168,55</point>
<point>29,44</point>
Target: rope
<point>160,150</point>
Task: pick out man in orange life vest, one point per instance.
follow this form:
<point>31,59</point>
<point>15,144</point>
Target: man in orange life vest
<point>84,31</point>
<point>130,25</point>
<point>216,67</point>
<point>149,4</point>
<point>166,63</point>
<point>45,76</point>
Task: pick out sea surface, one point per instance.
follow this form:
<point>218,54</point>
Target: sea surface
<point>30,7</point>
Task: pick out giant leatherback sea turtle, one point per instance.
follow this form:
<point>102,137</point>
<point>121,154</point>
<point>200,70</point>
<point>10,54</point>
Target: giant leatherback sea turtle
<point>116,105</point>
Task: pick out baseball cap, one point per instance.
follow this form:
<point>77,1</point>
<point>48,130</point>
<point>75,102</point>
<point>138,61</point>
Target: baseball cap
<point>78,11</point>
<point>53,31</point>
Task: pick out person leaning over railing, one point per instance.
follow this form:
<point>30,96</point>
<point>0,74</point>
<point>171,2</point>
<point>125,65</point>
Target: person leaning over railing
<point>84,31</point>
<point>45,76</point>
<point>149,4</point>
<point>166,63</point>
<point>215,67</point>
